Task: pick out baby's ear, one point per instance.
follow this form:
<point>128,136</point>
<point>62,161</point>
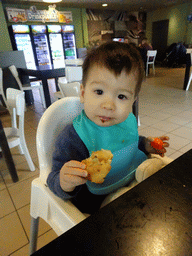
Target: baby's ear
<point>82,92</point>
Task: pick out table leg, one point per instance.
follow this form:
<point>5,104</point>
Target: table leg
<point>187,71</point>
<point>7,154</point>
<point>56,84</point>
<point>46,92</point>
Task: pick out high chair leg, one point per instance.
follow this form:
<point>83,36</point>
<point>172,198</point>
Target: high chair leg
<point>33,235</point>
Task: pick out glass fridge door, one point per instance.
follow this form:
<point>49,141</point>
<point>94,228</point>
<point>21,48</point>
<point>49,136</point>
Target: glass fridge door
<point>57,50</point>
<point>69,45</point>
<point>42,50</point>
<point>23,43</point>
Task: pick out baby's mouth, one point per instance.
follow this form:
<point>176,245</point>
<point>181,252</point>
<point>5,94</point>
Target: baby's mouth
<point>104,119</point>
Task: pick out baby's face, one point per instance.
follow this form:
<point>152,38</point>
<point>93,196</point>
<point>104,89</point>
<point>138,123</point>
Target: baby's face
<point>107,98</point>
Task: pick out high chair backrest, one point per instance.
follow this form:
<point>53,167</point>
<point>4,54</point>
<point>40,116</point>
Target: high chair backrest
<point>53,121</point>
<point>69,89</point>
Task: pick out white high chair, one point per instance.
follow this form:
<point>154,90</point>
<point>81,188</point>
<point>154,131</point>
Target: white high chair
<point>27,87</point>
<point>15,136</point>
<point>151,55</point>
<point>59,214</point>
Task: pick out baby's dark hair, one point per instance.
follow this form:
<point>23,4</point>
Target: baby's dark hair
<point>116,57</point>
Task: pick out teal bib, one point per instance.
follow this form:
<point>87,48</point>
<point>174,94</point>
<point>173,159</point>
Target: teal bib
<point>122,140</point>
<point>113,137</point>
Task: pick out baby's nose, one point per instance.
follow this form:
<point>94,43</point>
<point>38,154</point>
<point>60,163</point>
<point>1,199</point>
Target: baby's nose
<point>109,105</point>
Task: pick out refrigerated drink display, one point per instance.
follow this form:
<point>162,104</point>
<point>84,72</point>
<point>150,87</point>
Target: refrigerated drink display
<point>41,45</point>
<point>23,43</point>
<point>56,43</point>
<point>69,41</point>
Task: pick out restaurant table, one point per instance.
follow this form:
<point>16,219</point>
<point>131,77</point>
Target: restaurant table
<point>7,154</point>
<point>153,218</point>
<point>43,73</point>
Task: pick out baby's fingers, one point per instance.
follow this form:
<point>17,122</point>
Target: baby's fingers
<point>74,168</point>
<point>166,144</point>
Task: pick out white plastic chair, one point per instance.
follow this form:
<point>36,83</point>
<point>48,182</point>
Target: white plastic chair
<point>69,89</point>
<point>78,62</point>
<point>58,95</point>
<point>151,55</point>
<point>27,87</point>
<point>59,214</point>
<point>14,118</point>
<point>16,136</point>
<point>1,88</point>
<point>190,78</point>
<point>73,74</point>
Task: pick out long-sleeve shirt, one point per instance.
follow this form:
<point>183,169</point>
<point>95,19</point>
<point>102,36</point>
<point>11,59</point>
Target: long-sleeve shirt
<point>68,147</point>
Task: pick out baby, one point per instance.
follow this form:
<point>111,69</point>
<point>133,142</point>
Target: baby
<point>112,77</point>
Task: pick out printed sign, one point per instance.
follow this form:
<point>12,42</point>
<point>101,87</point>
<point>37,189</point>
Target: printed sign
<point>16,15</point>
<point>34,15</point>
<point>65,17</point>
<point>37,15</point>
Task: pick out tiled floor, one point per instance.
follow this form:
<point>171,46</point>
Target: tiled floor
<point>164,108</point>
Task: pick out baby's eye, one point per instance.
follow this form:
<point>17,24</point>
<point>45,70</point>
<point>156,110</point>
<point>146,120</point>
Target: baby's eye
<point>122,97</point>
<point>99,92</point>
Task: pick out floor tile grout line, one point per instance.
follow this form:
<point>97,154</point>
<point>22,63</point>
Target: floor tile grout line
<point>16,212</point>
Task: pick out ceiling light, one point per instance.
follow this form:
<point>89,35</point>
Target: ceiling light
<point>52,1</point>
<point>104,5</point>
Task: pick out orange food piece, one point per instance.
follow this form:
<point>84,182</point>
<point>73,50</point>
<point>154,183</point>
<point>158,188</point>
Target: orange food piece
<point>157,143</point>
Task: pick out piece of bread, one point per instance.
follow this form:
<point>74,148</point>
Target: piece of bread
<point>98,165</point>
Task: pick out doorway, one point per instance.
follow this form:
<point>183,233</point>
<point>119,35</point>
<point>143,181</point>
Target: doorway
<point>160,37</point>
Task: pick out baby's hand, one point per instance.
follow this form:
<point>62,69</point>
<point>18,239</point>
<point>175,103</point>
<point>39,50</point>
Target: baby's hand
<point>157,145</point>
<point>72,174</point>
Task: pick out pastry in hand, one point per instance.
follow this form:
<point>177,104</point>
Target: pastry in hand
<point>98,165</point>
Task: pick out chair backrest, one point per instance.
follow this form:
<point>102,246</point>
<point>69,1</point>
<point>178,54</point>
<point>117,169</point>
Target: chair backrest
<point>53,121</point>
<point>1,87</point>
<point>82,53</point>
<point>15,99</point>
<point>74,74</point>
<point>78,61</point>
<point>189,51</point>
<point>69,89</point>
<point>15,73</point>
<point>16,106</point>
<point>151,55</point>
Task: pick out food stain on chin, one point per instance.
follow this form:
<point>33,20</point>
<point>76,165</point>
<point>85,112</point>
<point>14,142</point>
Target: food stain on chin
<point>105,119</point>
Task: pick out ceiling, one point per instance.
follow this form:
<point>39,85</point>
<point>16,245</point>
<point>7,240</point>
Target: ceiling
<point>127,5</point>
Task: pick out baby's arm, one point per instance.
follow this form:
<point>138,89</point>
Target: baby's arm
<point>72,174</point>
<point>68,147</point>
